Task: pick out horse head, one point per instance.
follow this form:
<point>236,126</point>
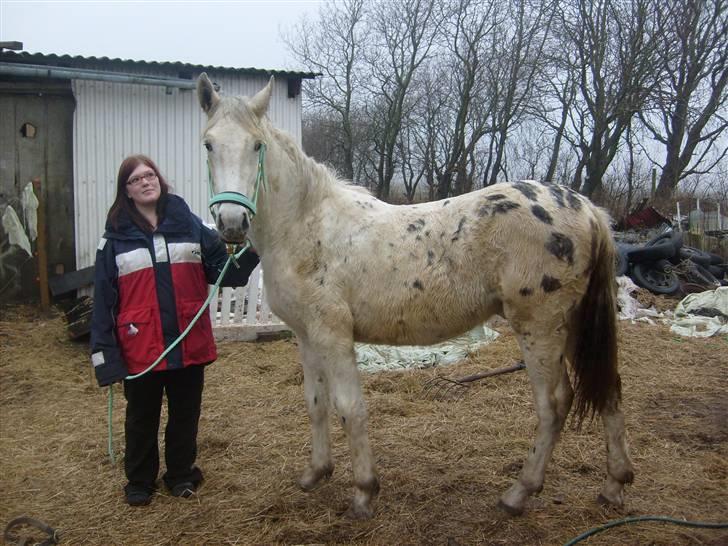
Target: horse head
<point>235,148</point>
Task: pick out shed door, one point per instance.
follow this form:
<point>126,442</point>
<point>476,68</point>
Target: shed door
<point>36,140</point>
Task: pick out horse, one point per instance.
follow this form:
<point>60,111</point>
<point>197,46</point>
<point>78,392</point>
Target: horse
<point>342,266</point>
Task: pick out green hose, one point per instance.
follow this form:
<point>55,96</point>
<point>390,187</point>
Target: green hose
<point>637,519</point>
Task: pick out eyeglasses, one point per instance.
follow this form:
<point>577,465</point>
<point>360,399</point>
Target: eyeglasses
<point>149,176</point>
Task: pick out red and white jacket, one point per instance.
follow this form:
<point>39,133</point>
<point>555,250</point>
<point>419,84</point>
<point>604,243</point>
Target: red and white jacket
<point>149,287</point>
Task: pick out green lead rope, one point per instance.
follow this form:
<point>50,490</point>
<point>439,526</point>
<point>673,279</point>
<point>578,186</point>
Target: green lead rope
<point>231,258</point>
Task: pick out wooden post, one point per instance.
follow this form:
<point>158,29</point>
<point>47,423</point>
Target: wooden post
<point>42,247</point>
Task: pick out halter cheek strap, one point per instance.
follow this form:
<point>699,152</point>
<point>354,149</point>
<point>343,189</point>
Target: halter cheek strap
<point>238,198</point>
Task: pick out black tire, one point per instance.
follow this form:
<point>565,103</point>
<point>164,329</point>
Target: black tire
<point>661,250</point>
<point>656,277</point>
<point>717,259</point>
<point>621,262</point>
<point>676,237</point>
<point>717,271</point>
<point>700,275</point>
<point>695,255</point>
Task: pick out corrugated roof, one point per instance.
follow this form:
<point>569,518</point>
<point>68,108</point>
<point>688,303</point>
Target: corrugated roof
<point>78,61</point>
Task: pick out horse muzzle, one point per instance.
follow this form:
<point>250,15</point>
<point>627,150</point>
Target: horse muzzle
<point>233,223</point>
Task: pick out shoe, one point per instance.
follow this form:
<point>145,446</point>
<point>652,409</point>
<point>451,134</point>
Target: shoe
<point>137,496</point>
<point>184,489</point>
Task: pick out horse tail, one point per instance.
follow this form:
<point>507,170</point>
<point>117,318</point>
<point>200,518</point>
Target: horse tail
<point>597,384</point>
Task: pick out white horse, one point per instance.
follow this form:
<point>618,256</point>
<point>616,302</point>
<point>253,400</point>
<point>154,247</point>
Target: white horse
<point>341,266</point>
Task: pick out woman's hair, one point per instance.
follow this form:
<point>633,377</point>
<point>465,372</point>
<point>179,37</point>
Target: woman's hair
<point>125,204</point>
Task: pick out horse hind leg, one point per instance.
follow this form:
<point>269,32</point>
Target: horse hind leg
<point>316,392</point>
<point>552,398</point>
<point>619,465</point>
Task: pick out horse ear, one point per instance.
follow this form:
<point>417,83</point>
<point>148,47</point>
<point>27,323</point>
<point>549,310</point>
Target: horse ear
<point>259,103</point>
<point>206,93</point>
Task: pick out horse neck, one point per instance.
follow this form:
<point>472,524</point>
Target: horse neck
<point>296,187</point>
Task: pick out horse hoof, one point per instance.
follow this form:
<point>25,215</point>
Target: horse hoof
<point>359,513</point>
<point>311,477</point>
<point>604,501</point>
<point>510,510</point>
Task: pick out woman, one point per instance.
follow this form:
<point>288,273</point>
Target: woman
<point>153,267</point>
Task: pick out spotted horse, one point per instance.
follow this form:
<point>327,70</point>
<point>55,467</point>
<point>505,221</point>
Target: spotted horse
<point>343,267</point>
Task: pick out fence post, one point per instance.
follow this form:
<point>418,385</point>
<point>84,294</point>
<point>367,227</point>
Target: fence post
<point>42,247</point>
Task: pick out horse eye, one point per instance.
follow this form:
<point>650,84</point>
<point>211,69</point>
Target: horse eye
<point>208,146</point>
<point>257,146</point>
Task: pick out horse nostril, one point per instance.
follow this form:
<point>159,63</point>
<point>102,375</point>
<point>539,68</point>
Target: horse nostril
<point>246,222</point>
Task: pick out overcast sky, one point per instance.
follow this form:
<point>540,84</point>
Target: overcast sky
<point>233,33</point>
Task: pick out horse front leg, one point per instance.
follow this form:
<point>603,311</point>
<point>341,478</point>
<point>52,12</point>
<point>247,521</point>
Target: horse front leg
<point>351,409</point>
<point>316,392</point>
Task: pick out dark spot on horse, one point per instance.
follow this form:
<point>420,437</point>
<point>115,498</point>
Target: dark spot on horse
<point>430,257</point>
<point>346,259</point>
<point>456,235</point>
<point>318,243</point>
<point>542,214</point>
<point>561,246</point>
<point>442,234</point>
<point>549,284</point>
<point>526,189</point>
<point>573,198</point>
<point>418,285</point>
<point>484,210</point>
<point>343,420</point>
<point>558,194</point>
<point>417,225</point>
<point>496,197</point>
<point>418,238</point>
<point>526,291</point>
<point>321,281</point>
<point>315,400</point>
<point>391,244</point>
<point>427,233</point>
<point>446,203</point>
<point>363,269</point>
<point>505,206</point>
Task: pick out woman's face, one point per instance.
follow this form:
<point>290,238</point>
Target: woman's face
<point>142,186</point>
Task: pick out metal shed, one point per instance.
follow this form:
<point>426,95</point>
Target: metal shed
<point>69,121</point>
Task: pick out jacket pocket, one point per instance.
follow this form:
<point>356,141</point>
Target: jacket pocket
<point>139,337</point>
<point>198,346</point>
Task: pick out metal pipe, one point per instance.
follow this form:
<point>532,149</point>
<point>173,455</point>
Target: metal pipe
<point>43,71</point>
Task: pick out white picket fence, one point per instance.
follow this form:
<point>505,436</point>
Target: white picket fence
<point>243,313</point>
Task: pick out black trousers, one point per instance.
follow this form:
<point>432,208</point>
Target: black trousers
<point>144,404</point>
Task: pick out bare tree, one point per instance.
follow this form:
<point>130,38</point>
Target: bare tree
<point>691,118</point>
<point>332,46</point>
<point>615,43</point>
<point>516,56</point>
<point>401,38</point>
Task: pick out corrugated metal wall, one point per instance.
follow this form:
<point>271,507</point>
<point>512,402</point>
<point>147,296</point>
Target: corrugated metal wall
<point>114,120</point>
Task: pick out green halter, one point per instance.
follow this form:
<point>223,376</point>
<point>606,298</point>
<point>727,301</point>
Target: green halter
<point>237,197</point>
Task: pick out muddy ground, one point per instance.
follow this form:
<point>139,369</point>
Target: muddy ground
<point>442,463</point>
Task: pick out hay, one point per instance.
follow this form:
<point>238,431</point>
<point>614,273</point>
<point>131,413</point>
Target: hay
<point>442,464</point>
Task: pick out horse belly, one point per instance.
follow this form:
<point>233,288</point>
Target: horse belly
<point>421,323</point>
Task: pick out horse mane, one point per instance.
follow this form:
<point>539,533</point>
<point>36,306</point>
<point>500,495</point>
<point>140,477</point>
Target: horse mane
<point>324,178</point>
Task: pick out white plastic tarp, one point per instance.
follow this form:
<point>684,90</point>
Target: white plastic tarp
<point>703,314</point>
<point>374,358</point>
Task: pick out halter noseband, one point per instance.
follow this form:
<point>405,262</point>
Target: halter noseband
<point>238,198</point>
